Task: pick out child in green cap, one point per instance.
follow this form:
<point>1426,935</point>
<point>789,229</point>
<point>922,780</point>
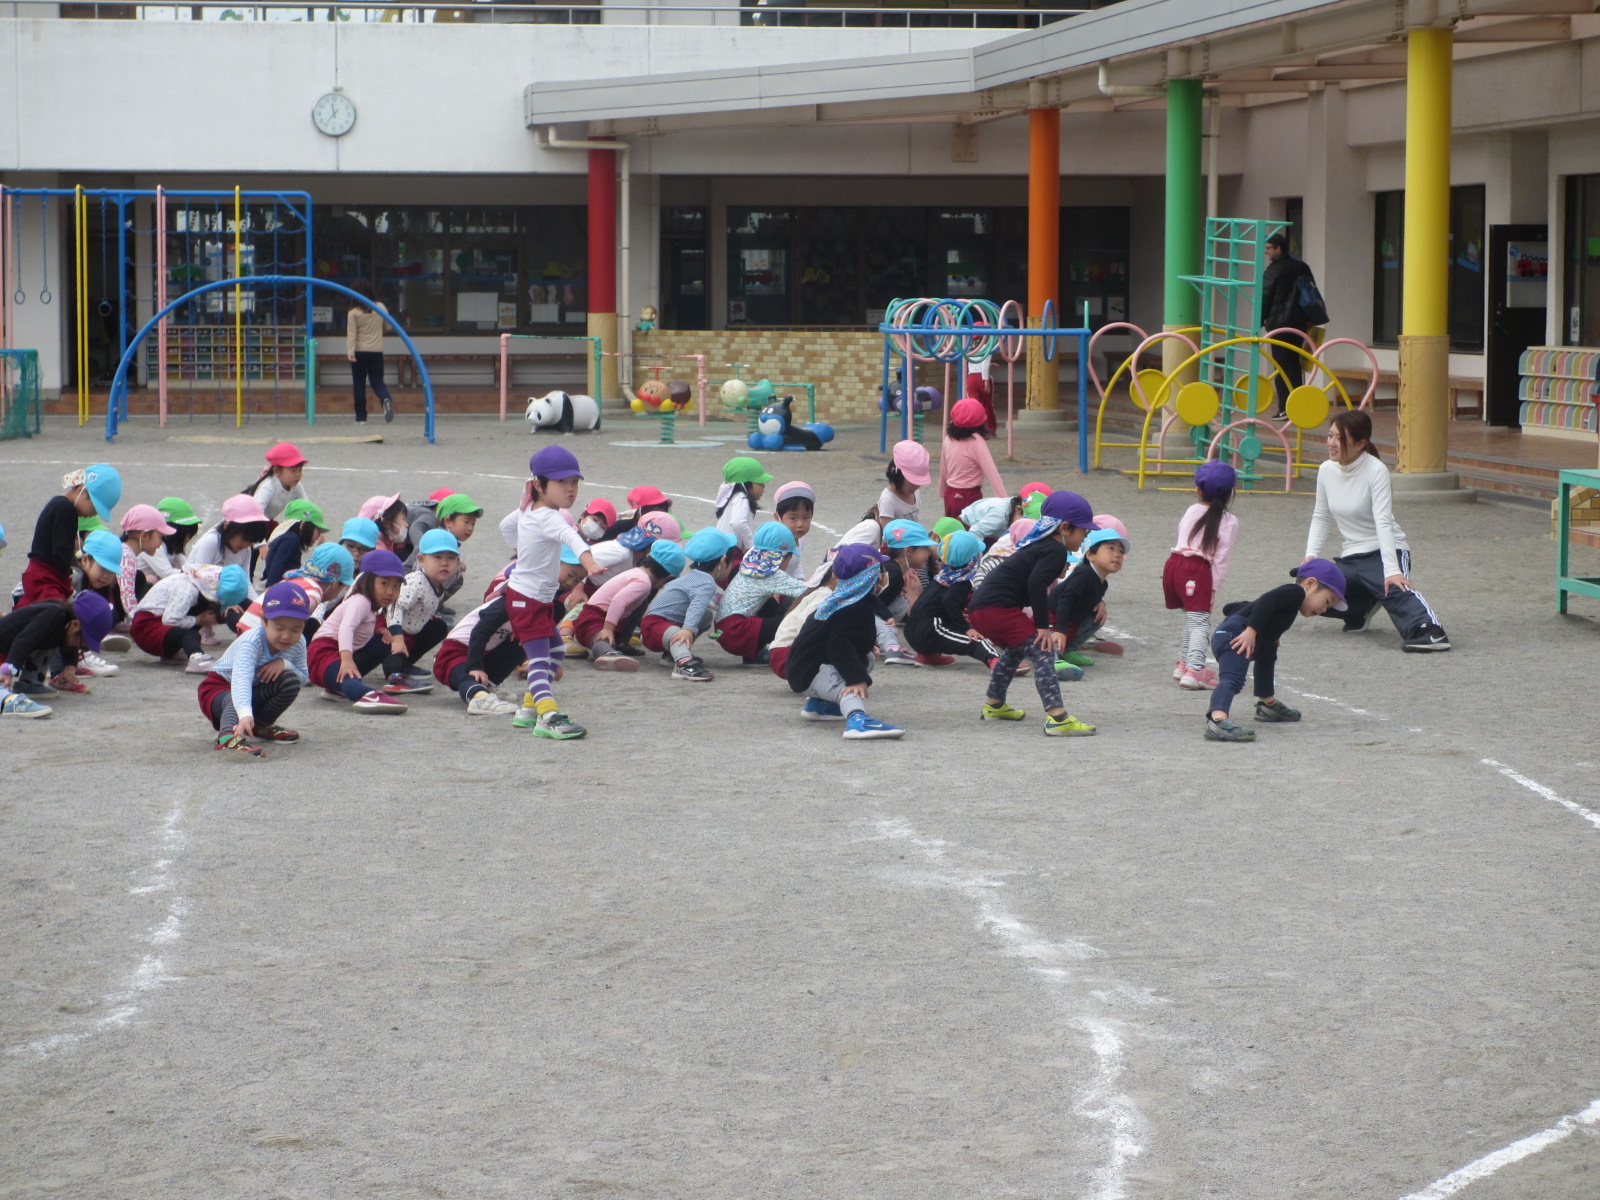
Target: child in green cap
<point>739,499</point>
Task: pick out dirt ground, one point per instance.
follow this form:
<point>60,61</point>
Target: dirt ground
<point>713,951</point>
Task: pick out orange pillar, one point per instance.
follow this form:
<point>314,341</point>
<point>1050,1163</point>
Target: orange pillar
<point>1044,247</point>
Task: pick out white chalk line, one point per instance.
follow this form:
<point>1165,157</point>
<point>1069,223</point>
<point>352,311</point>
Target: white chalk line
<point>1482,1168</point>
<point>151,973</point>
<point>1538,789</point>
<point>1101,1098</point>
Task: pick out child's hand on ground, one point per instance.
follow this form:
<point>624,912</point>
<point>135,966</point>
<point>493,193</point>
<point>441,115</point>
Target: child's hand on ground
<point>1245,643</point>
<point>269,671</point>
<point>246,727</point>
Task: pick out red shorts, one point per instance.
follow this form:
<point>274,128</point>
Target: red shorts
<point>591,619</point>
<point>149,633</point>
<point>450,655</point>
<point>1186,581</point>
<point>41,581</point>
<point>1005,627</point>
<point>529,618</point>
<point>212,686</point>
<point>321,653</point>
<point>740,636</point>
<point>652,631</point>
<point>956,499</point>
<point>779,662</point>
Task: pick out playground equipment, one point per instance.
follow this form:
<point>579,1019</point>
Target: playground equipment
<point>19,394</point>
<point>212,235</point>
<point>563,412</point>
<point>118,401</point>
<point>776,430</point>
<point>593,354</point>
<point>972,331</point>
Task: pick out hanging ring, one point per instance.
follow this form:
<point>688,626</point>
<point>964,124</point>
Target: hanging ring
<point>20,297</point>
<point>104,308</point>
<point>46,296</point>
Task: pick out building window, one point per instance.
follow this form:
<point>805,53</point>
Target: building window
<point>1582,249</point>
<point>1467,231</point>
<point>1094,269</point>
<point>461,270</point>
<point>683,268</point>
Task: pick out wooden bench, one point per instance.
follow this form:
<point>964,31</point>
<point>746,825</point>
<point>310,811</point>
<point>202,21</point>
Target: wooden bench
<point>1459,386</point>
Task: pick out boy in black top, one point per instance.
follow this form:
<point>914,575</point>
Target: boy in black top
<point>1250,631</point>
<point>937,627</point>
<point>1078,602</point>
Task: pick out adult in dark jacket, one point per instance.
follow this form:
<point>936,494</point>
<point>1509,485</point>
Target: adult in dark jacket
<point>1280,309</point>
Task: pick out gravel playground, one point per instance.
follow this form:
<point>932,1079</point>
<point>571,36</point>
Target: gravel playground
<point>715,952</point>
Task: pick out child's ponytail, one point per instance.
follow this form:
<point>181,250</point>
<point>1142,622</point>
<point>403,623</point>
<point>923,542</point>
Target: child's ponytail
<point>259,480</point>
<point>1209,528</point>
<point>739,489</point>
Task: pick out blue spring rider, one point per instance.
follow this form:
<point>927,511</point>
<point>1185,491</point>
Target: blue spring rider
<point>776,430</point>
<point>923,399</point>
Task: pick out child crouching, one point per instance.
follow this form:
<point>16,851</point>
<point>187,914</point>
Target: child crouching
<point>260,675</point>
<point>684,608</point>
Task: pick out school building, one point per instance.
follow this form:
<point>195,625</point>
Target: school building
<point>769,176</point>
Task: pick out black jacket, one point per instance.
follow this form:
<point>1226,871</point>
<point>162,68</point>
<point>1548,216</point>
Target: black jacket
<point>1073,600</point>
<point>1023,580</point>
<point>29,635</point>
<point>1280,306</point>
<point>947,605</point>
<point>844,642</point>
<point>55,535</point>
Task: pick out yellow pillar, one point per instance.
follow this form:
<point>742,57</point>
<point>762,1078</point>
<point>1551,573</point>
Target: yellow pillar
<point>1424,328</point>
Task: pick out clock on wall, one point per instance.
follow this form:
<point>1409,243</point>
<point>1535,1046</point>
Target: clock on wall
<point>334,114</point>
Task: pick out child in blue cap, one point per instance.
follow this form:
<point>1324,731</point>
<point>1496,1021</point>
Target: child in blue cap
<point>686,607</point>
<point>907,548</point>
<point>937,628</point>
<point>324,578</point>
<point>168,622</point>
<point>414,621</point>
<point>1250,632</point>
<point>538,530</point>
<point>831,659</point>
<point>93,491</point>
<point>752,608</point>
<point>260,675</point>
<point>1078,602</point>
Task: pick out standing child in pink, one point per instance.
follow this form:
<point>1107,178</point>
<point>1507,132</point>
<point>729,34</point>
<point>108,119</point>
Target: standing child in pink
<point>1197,566</point>
<point>965,462</point>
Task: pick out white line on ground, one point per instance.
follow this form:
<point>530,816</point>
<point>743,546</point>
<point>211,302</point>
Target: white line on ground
<point>151,974</point>
<point>1483,1167</point>
<point>1538,789</point>
<point>1100,1098</point>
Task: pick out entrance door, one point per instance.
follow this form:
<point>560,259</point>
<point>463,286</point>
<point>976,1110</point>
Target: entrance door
<point>1518,272</point>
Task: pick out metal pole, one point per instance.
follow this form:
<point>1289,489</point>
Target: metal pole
<point>505,371</point>
<point>238,312</point>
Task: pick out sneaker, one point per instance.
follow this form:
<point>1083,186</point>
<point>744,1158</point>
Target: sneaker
<point>116,643</point>
<point>693,671</point>
<point>559,726</point>
<point>821,710</point>
<point>388,409</point>
<point>487,704</point>
<point>1000,712</point>
<point>1207,676</point>
<point>1077,658</point>
<point>229,740</point>
<point>275,733</point>
<point>935,660</point>
<point>615,662</point>
<point>377,702</point>
<point>1066,725</point>
<point>208,637</point>
<point>1275,712</point>
<point>90,663</point>
<point>420,672</point>
<point>1355,624</point>
<point>13,705</point>
<point>1066,672</point>
<point>1226,730</point>
<point>899,656</point>
<point>632,650</point>
<point>402,684</point>
<point>576,649</point>
<point>862,728</point>
<point>1101,646</point>
<point>1429,638</point>
<point>1179,669</point>
<point>1190,682</point>
<point>73,686</point>
<point>1023,668</point>
<point>199,664</point>
<point>330,694</point>
<point>34,687</point>
<point>760,659</point>
<point>527,716</point>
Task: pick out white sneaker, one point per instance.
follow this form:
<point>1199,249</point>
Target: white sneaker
<point>200,664</point>
<point>900,657</point>
<point>116,643</point>
<point>487,704</point>
<point>90,663</point>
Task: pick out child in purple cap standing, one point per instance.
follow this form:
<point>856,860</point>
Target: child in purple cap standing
<point>538,529</point>
<point>1197,566</point>
<point>831,659</point>
<point>260,676</point>
<point>1250,631</point>
<point>1011,608</point>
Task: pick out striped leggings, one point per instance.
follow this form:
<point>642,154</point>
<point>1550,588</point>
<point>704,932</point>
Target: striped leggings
<point>1196,637</point>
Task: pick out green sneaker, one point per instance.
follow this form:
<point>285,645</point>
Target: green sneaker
<point>1226,730</point>
<point>1076,658</point>
<point>559,726</point>
<point>1066,725</point>
<point>527,717</point>
<point>1276,711</point>
<point>999,712</point>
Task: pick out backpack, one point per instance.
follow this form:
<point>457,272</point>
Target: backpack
<point>1308,299</point>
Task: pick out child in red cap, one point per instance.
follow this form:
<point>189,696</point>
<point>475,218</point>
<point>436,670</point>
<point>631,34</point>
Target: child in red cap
<point>280,482</point>
<point>964,460</point>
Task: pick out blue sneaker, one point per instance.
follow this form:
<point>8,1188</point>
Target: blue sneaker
<point>861,728</point>
<point>14,705</point>
<point>821,710</point>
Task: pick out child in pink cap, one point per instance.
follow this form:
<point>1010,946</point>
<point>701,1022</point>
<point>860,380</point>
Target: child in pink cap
<point>907,471</point>
<point>964,460</point>
<point>392,519</point>
<point>143,527</point>
<point>280,483</point>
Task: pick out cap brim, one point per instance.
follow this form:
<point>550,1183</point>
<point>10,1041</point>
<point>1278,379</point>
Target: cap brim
<point>560,474</point>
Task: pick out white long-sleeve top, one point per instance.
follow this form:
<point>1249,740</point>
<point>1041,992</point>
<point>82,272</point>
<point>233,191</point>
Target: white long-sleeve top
<point>739,520</point>
<point>171,599</point>
<point>538,534</point>
<point>208,548</point>
<point>272,497</point>
<point>1189,542</point>
<point>1357,499</point>
<point>160,564</point>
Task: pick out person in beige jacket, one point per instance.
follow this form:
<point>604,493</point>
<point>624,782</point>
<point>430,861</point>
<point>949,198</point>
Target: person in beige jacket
<point>363,344</point>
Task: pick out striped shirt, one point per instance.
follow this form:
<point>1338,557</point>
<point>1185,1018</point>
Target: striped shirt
<point>247,655</point>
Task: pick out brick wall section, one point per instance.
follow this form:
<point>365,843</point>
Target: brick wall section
<point>845,366</point>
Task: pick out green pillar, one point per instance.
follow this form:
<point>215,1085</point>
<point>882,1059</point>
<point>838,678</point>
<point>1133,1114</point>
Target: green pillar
<point>1185,201</point>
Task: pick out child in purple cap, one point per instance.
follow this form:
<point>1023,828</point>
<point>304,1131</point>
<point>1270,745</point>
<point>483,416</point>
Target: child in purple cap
<point>260,675</point>
<point>33,636</point>
<point>539,528</point>
<point>831,659</point>
<point>1197,566</point>
<point>1250,631</point>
